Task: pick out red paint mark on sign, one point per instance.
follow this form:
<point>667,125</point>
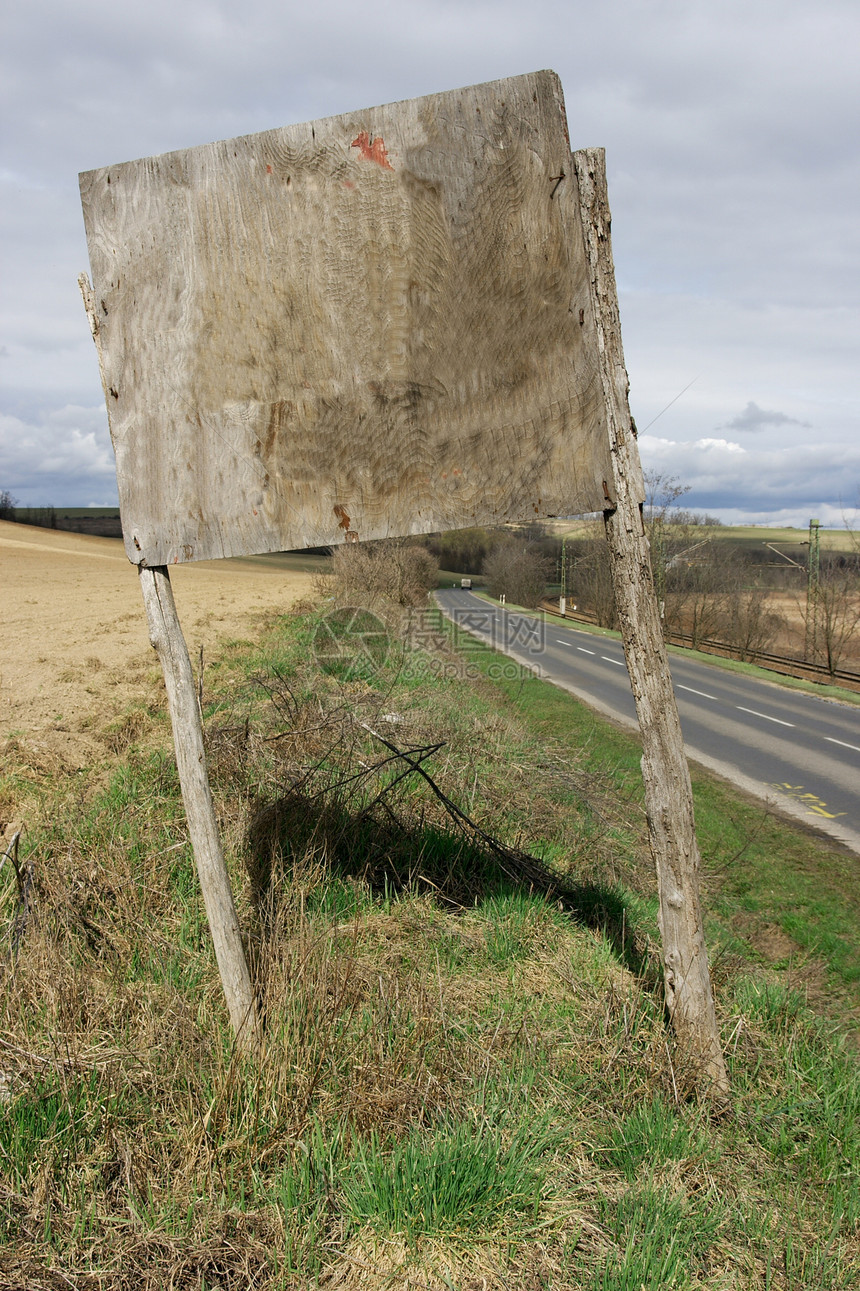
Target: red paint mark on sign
<point>372,149</point>
<point>268,169</point>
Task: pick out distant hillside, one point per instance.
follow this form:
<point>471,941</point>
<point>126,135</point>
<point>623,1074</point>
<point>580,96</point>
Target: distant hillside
<point>102,522</point>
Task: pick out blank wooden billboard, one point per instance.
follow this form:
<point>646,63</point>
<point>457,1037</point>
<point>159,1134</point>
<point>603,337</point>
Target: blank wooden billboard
<point>371,325</point>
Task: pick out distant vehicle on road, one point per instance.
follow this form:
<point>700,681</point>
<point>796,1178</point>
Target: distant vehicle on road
<point>467,583</point>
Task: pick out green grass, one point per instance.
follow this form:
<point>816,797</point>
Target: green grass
<point>458,1177</point>
<point>468,1078</point>
<point>840,539</point>
<point>760,870</point>
<point>663,1240</point>
<point>515,920</point>
<point>652,1135</point>
<point>46,1122</point>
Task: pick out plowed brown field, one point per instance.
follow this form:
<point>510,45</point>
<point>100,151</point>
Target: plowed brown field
<point>75,653</point>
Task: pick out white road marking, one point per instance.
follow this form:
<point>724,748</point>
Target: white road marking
<point>842,743</point>
<point>741,709</point>
<point>571,646</point>
<point>703,693</point>
<point>617,662</point>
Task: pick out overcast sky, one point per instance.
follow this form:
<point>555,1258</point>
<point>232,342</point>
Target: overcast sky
<point>731,132</point>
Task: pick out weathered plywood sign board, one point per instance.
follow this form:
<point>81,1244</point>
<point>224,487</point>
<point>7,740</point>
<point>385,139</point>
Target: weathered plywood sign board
<point>375,324</point>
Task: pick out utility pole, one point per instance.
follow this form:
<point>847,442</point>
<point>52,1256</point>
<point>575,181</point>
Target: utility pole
<point>812,590</point>
<point>657,539</point>
<point>562,602</point>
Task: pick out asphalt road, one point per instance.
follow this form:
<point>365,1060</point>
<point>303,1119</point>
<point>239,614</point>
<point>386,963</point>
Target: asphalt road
<point>797,752</point>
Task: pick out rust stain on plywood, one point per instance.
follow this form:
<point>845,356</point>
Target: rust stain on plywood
<point>343,520</point>
<point>372,149</point>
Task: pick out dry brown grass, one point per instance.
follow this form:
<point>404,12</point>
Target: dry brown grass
<point>407,983</point>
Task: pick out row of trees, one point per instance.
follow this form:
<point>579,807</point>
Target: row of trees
<point>709,588</point>
<point>712,595</point>
<point>43,517</point>
<point>462,551</point>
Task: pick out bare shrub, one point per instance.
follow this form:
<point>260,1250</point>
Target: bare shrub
<point>394,572</point>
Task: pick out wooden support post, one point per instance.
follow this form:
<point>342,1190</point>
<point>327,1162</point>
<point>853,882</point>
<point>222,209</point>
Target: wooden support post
<point>165,633</point>
<point>668,793</point>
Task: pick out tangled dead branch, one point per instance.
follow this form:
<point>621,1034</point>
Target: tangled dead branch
<point>517,865</point>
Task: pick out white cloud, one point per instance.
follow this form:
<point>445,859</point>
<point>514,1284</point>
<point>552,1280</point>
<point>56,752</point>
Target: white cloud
<point>65,457</point>
<point>718,445</point>
<point>724,476</point>
<point>828,516</point>
<point>652,446</point>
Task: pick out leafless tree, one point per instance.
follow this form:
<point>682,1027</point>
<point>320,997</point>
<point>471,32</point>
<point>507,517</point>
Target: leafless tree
<point>674,535</point>
<point>518,569</point>
<point>697,585</point>
<point>747,622</point>
<point>680,567</point>
<point>589,580</point>
<point>835,605</point>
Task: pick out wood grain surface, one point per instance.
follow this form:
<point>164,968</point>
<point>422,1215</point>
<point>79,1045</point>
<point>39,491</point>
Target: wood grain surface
<point>376,324</point>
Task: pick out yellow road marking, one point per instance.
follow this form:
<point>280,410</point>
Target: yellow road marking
<point>814,805</point>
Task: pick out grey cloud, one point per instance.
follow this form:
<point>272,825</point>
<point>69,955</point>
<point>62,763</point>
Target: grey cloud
<point>68,449</point>
<point>722,474</point>
<point>754,418</point>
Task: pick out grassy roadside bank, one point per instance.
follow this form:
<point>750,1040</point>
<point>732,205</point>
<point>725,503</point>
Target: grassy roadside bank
<point>469,1082</point>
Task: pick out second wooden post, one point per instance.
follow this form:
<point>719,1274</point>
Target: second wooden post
<point>666,776</point>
